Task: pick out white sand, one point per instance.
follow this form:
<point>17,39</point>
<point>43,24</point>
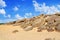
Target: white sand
<point>6,34</point>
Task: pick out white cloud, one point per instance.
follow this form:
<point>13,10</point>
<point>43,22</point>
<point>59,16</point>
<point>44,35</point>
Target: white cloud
<point>2,11</point>
<point>7,16</point>
<point>28,15</point>
<point>42,8</point>
<point>2,3</point>
<point>18,16</point>
<point>58,6</point>
<point>15,8</point>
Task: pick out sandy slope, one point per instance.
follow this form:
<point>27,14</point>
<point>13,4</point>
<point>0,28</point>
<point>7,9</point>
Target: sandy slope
<point>6,33</point>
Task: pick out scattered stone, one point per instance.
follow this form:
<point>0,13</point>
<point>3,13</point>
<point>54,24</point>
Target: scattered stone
<point>15,31</point>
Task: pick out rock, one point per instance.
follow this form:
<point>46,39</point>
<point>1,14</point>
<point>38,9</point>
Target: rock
<point>57,19</point>
<point>24,25</point>
<point>28,28</point>
<point>15,31</point>
<point>50,29</point>
<point>43,27</point>
<point>58,14</point>
<point>48,39</point>
<point>42,22</point>
<point>57,28</point>
<point>39,30</point>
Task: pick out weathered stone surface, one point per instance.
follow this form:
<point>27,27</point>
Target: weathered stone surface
<point>15,31</point>
<point>57,28</point>
<point>50,29</point>
<point>42,22</point>
<point>28,28</point>
<point>49,38</point>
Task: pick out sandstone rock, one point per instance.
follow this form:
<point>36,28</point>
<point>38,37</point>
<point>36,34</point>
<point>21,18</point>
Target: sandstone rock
<point>39,30</point>
<point>43,27</point>
<point>28,28</point>
<point>58,14</point>
<point>15,31</point>
<point>50,29</point>
<point>42,22</point>
<point>48,39</point>
<point>57,28</point>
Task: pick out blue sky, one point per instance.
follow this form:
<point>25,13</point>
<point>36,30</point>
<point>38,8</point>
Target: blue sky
<point>11,10</point>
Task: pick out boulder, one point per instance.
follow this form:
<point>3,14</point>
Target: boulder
<point>15,31</point>
<point>57,28</point>
<point>28,28</point>
<point>50,29</point>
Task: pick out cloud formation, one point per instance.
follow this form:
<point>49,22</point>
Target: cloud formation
<point>28,15</point>
<point>18,16</point>
<point>7,16</point>
<point>15,8</point>
<point>2,3</point>
<point>2,11</point>
<point>42,8</point>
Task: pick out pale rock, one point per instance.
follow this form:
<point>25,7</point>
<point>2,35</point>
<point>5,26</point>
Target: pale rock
<point>28,28</point>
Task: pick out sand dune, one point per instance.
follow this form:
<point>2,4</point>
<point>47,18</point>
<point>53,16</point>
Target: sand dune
<point>6,33</point>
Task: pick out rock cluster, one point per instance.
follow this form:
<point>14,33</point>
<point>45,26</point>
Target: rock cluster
<point>42,22</point>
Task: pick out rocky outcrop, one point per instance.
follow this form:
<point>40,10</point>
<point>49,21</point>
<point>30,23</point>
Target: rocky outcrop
<point>42,22</point>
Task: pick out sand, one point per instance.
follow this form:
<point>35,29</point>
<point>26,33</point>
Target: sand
<point>6,33</point>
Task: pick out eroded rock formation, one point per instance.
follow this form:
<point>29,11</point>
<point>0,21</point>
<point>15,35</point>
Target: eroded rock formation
<point>42,22</point>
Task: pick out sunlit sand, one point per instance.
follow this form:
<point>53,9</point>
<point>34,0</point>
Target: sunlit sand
<point>6,33</point>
